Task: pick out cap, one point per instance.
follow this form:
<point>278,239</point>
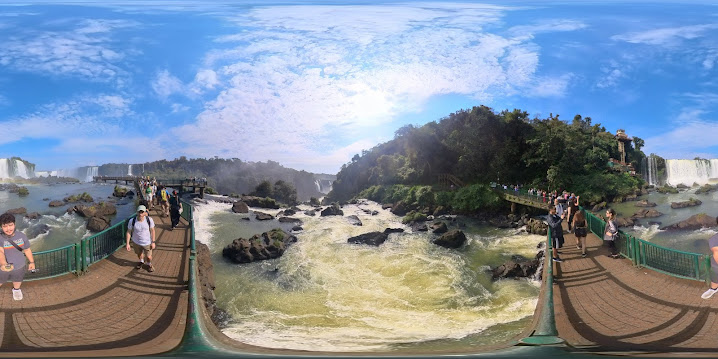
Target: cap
<point>141,208</point>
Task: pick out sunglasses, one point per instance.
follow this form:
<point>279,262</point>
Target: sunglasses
<point>140,211</point>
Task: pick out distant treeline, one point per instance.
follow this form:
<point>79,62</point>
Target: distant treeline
<point>480,146</point>
<point>224,176</point>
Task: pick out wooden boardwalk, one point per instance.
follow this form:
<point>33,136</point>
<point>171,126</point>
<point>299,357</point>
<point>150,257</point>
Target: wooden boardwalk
<point>608,305</point>
<point>112,310</point>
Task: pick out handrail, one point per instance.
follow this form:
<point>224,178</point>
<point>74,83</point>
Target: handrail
<point>642,253</point>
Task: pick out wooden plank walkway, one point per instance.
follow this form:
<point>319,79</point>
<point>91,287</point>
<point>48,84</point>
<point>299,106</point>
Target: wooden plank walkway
<point>608,305</point>
<point>114,309</point>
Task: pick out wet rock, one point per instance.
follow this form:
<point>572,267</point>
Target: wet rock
<point>310,213</point>
<point>297,228</point>
<point>240,207</point>
<point>690,203</point>
<point>393,230</point>
<point>535,226</point>
<point>706,188</point>
<point>33,215</point>
<point>332,210</point>
<point>287,212</point>
<point>387,206</point>
<point>97,224</point>
<point>697,221</point>
<point>599,207</point>
<point>371,238</point>
<point>439,227</point>
<point>354,220</point>
<point>20,210</point>
<point>263,246</point>
<point>56,203</point>
<point>205,276</point>
<point>515,269</point>
<point>647,213</point>
<point>260,202</point>
<point>261,216</point>
<point>625,222</point>
<point>645,203</point>
<point>419,227</point>
<point>289,220</point>
<point>400,209</point>
<point>452,239</point>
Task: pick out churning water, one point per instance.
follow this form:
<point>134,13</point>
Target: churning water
<point>324,294</point>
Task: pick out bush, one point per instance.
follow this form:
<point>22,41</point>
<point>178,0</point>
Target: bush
<point>23,191</point>
<point>414,216</point>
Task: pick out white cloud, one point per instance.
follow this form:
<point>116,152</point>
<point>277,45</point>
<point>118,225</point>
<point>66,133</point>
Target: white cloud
<point>166,84</point>
<point>686,141</point>
<point>668,36</point>
<point>545,26</point>
<point>306,78</point>
<point>176,108</point>
<point>84,52</point>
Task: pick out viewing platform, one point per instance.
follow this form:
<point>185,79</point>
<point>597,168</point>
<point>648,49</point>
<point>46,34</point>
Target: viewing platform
<point>593,305</point>
<point>191,185</point>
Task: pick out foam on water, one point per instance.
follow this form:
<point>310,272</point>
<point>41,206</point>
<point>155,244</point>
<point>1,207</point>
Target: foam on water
<point>326,294</point>
<point>647,233</point>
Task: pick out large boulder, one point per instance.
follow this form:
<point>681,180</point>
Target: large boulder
<point>20,210</point>
<point>645,203</point>
<point>261,216</point>
<point>599,207</point>
<point>56,203</point>
<point>371,238</point>
<point>98,224</point>
<point>452,239</point>
<point>33,215</point>
<point>536,226</point>
<point>310,213</point>
<point>260,202</point>
<point>400,209</point>
<point>439,227</point>
<point>263,246</point>
<point>697,221</point>
<point>332,210</point>
<point>240,207</point>
<point>647,213</point>
<point>515,269</point>
<point>354,220</point>
<point>120,191</point>
<point>706,188</point>
<point>625,222</point>
<point>690,203</point>
<point>393,230</point>
<point>289,220</point>
<point>95,210</point>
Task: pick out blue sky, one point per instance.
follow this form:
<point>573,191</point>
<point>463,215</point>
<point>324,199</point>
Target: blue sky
<point>310,84</point>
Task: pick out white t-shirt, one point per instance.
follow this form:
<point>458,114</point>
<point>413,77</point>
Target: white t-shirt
<point>141,230</point>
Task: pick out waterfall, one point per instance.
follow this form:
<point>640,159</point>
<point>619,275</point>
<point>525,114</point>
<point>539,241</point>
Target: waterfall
<point>688,172</point>
<point>4,168</point>
<point>89,173</point>
<point>651,171</point>
<point>129,170</point>
<point>21,170</point>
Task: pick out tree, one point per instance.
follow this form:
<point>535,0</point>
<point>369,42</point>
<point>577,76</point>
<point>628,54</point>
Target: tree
<point>285,192</point>
<point>264,189</point>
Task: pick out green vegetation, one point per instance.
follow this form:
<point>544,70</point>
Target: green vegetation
<point>667,189</point>
<point>314,201</point>
<point>210,190</point>
<point>414,216</point>
<point>23,191</point>
<point>478,146</point>
<point>84,197</point>
<point>281,191</point>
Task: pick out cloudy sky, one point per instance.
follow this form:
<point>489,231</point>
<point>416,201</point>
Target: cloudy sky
<point>310,84</point>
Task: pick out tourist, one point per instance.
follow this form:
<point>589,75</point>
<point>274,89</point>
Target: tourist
<point>572,209</point>
<point>580,230</point>
<point>713,245</point>
<point>554,222</point>
<point>175,209</point>
<point>15,247</point>
<point>164,198</point>
<point>141,230</point>
<point>611,232</point>
<point>148,195</point>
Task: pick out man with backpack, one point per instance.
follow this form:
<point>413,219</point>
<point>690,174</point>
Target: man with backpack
<point>141,230</point>
<point>175,209</point>
<point>164,198</point>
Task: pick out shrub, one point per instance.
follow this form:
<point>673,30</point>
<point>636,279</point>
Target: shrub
<point>23,191</point>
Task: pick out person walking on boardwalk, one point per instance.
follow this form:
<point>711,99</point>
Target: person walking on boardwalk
<point>580,230</point>
<point>148,195</point>
<point>175,209</point>
<point>713,245</point>
<point>164,198</point>
<point>141,230</point>
<point>554,221</point>
<point>15,247</point>
<point>611,232</point>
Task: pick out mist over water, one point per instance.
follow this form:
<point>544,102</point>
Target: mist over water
<point>325,294</point>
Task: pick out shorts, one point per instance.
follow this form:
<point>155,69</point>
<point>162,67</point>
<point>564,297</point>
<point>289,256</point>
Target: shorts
<point>139,249</point>
<point>580,231</point>
<point>15,275</point>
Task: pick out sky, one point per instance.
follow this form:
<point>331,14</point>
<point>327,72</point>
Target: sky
<point>309,84</point>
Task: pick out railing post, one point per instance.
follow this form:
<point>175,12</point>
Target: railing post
<point>78,258</point>
<point>85,262</point>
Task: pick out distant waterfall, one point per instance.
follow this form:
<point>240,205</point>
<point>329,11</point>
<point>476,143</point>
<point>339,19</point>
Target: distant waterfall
<point>4,168</point>
<point>90,173</point>
<point>10,168</point>
<point>323,185</point>
<point>129,170</point>
<point>688,172</point>
<point>651,171</point>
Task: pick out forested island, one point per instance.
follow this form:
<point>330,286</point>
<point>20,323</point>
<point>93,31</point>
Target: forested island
<point>479,146</point>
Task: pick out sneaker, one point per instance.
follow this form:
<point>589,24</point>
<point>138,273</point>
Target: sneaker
<point>151,268</point>
<point>17,294</point>
<point>558,260</point>
<point>578,246</point>
<point>583,255</point>
<point>707,294</point>
<point>139,265</point>
<point>614,256</point>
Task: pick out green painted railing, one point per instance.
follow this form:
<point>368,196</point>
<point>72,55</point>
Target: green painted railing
<point>77,258</point>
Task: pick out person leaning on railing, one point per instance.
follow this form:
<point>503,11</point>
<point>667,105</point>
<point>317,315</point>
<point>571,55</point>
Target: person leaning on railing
<point>554,221</point>
<point>713,244</point>
<point>611,232</point>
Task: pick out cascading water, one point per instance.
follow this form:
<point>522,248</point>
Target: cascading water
<point>21,170</point>
<point>325,294</point>
<point>90,173</point>
<point>4,168</point>
<point>652,170</point>
<point>688,172</point>
<point>129,170</point>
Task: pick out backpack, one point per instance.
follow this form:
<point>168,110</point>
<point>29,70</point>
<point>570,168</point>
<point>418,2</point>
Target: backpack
<point>164,195</point>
